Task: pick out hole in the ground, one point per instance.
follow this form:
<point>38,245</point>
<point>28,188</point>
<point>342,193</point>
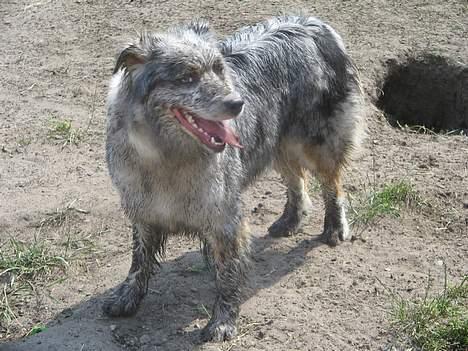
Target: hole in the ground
<point>429,91</point>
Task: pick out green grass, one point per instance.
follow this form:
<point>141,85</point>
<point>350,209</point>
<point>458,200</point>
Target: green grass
<point>387,201</point>
<point>21,264</point>
<point>29,260</point>
<point>39,328</point>
<point>27,266</point>
<point>63,132</point>
<point>439,323</point>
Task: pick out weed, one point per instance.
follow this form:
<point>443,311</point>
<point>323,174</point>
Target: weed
<point>27,261</point>
<point>387,201</point>
<point>25,266</point>
<point>62,131</point>
<point>36,329</point>
<point>439,323</point>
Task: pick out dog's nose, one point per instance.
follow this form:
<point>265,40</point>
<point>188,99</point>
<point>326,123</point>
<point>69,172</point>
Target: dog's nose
<point>234,106</point>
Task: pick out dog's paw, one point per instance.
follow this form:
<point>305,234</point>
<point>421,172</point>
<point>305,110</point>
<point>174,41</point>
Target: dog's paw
<point>218,331</point>
<point>333,237</point>
<point>285,226</point>
<point>124,301</point>
<point>330,237</point>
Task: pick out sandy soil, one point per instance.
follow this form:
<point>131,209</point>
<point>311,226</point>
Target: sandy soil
<point>56,60</point>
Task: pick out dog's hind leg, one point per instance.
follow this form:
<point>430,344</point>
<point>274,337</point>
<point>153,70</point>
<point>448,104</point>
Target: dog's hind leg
<point>148,241</point>
<point>298,202</point>
<point>327,165</point>
<point>230,252</point>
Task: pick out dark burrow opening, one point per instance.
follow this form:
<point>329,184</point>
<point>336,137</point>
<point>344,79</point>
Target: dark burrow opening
<point>429,91</point>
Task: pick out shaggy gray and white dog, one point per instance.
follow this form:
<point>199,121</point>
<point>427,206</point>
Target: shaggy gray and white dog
<point>192,121</point>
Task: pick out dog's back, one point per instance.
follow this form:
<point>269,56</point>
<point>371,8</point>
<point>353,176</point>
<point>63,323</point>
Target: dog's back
<point>295,76</point>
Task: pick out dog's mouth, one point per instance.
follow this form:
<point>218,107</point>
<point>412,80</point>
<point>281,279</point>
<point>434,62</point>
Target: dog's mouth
<point>213,134</point>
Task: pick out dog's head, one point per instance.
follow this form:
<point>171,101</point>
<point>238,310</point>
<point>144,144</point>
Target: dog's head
<point>180,81</point>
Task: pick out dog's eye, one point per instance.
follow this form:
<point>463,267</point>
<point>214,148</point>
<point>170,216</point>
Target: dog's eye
<point>191,78</point>
<point>187,80</point>
<point>218,68</point>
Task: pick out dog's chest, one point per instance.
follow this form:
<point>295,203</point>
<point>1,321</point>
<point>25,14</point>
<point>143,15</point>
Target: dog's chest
<point>191,199</point>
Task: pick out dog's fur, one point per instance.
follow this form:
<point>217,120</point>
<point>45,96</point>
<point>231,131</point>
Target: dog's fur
<point>302,111</point>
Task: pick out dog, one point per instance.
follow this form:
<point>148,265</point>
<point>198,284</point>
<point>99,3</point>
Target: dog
<point>194,120</point>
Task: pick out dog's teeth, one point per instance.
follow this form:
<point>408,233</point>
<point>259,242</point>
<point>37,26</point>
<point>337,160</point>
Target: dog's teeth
<point>201,130</point>
<point>212,140</point>
<point>190,119</point>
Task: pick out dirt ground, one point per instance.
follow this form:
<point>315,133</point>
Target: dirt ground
<point>56,60</point>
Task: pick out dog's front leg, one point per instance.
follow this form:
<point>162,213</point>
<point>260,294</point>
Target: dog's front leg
<point>230,251</point>
<point>148,241</point>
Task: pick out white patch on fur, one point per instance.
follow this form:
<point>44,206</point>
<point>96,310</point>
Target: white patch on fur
<point>344,222</point>
<point>114,87</point>
<point>141,141</point>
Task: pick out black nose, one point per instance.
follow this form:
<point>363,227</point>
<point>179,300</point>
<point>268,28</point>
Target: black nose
<point>234,106</point>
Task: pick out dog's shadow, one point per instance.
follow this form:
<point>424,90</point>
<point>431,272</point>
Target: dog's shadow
<point>171,316</point>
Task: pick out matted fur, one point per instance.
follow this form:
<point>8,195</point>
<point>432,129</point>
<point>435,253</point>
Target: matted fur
<point>302,111</point>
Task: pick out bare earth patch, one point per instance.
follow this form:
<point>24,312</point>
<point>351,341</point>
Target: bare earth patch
<point>408,191</point>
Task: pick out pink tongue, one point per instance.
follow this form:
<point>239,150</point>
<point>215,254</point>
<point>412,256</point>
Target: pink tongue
<point>220,129</point>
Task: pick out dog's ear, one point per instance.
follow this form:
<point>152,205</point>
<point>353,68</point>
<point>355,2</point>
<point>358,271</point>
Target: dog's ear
<point>131,56</point>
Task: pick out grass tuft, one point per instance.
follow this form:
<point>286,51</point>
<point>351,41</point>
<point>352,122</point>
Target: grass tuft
<point>21,264</point>
<point>27,261</point>
<point>39,328</point>
<point>26,266</point>
<point>387,201</point>
<point>435,324</point>
<point>63,132</point>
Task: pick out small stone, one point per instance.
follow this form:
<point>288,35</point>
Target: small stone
<point>113,327</point>
<point>439,263</point>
